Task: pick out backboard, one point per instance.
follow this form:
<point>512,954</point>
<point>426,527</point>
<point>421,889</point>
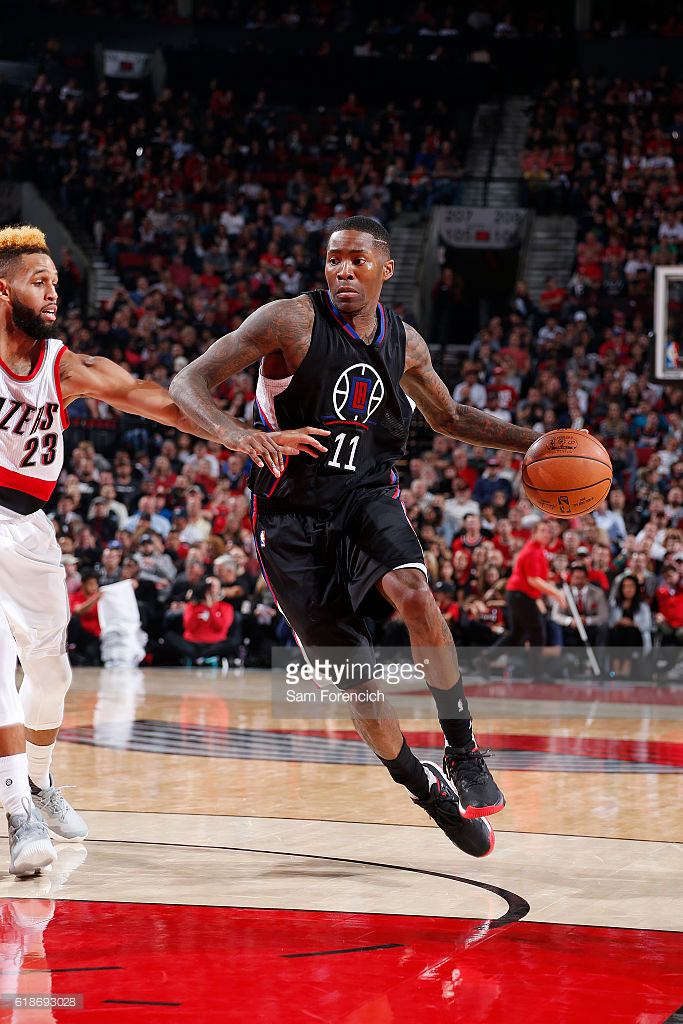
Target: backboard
<point>667,357</point>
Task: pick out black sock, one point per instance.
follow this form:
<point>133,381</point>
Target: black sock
<point>407,771</point>
<point>454,714</point>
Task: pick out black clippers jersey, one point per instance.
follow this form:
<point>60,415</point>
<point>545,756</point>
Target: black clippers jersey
<point>353,390</point>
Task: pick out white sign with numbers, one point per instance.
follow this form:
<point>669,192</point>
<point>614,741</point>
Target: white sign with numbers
<point>474,227</point>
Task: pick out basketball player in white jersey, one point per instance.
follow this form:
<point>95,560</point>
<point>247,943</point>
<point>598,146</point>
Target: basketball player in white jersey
<point>38,379</point>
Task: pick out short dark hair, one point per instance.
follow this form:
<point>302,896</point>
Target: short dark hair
<point>199,591</point>
<point>379,233</point>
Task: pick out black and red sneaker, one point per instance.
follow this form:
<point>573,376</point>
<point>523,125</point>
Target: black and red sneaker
<point>478,794</point>
<point>476,838</point>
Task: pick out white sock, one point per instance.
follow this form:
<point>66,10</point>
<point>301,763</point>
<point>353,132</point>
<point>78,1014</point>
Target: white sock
<point>14,785</point>
<point>39,761</point>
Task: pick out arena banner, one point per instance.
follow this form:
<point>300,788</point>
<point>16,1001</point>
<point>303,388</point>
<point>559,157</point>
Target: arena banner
<point>127,64</point>
<point>481,227</point>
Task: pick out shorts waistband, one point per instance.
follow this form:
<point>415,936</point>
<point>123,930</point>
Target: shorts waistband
<point>19,502</point>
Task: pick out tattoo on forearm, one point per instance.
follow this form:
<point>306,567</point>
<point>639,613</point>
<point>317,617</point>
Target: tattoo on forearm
<point>476,427</point>
<point>281,326</point>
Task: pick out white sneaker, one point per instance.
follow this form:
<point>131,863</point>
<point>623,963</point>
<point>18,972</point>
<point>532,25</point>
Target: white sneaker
<point>30,848</point>
<point>58,814</point>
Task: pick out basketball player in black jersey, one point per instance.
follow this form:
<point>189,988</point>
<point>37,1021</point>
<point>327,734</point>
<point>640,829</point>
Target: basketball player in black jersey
<point>332,537</point>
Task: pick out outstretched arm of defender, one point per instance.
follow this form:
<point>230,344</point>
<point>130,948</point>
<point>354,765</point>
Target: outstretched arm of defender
<point>282,324</point>
<point>96,377</point>
<point>422,383</point>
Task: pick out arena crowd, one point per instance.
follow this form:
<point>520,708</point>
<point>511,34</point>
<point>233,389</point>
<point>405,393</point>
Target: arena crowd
<point>209,209</point>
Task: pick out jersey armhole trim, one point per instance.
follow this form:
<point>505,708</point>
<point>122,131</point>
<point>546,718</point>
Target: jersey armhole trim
<point>63,414</point>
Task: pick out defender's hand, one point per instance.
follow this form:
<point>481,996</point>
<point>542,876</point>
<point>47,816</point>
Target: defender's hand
<point>269,450</point>
<point>294,442</point>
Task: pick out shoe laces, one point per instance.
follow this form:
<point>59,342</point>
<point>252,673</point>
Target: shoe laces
<point>55,802</point>
<point>17,827</point>
<point>469,765</point>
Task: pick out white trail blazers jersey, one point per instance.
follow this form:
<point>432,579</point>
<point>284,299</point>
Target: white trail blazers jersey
<point>32,424</point>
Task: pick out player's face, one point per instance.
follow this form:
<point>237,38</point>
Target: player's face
<point>355,270</point>
<point>32,294</point>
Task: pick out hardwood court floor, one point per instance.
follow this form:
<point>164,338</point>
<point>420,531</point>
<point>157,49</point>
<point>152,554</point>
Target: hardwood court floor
<point>242,868</point>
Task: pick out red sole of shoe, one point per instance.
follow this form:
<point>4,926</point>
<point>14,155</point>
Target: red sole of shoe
<point>490,849</point>
<point>480,812</point>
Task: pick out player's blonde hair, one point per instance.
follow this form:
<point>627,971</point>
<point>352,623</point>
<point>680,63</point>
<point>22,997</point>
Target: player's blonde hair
<point>19,240</point>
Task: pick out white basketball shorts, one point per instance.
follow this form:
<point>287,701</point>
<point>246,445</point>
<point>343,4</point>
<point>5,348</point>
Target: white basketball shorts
<point>33,595</point>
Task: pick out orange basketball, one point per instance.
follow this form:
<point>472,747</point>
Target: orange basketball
<point>566,473</point>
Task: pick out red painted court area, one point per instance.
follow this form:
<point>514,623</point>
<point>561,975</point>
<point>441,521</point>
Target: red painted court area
<point>148,964</point>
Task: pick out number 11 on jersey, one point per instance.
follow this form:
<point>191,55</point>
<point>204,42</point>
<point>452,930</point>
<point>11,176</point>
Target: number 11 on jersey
<point>349,454</point>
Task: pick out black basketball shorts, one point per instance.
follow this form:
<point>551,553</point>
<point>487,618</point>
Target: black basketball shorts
<point>322,568</point>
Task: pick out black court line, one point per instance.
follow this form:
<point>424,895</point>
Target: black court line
<point>138,1002</point>
<point>336,952</point>
<point>346,821</point>
<point>518,907</point>
<point>514,909</point>
<point>65,970</point>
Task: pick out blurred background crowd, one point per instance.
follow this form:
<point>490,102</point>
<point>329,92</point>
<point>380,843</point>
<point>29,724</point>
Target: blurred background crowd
<point>210,203</point>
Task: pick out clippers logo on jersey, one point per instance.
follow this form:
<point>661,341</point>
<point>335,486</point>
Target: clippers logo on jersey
<point>358,393</point>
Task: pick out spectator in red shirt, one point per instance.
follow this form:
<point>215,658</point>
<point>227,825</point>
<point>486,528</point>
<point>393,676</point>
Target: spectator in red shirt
<point>528,582</point>
<point>554,545</point>
<point>502,539</point>
<point>463,469</point>
<point>507,394</point>
<point>516,528</point>
<point>590,255</point>
<point>484,612</point>
<point>470,540</point>
<point>445,594</point>
<point>163,474</point>
<point>209,278</point>
<point>462,575</point>
<point>84,627</point>
<point>179,272</point>
<point>206,624</point>
<point>600,565</point>
<point>552,298</point>
<point>669,602</point>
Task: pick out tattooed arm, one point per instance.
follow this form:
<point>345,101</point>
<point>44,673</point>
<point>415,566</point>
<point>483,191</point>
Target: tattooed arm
<point>282,326</point>
<point>422,383</point>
